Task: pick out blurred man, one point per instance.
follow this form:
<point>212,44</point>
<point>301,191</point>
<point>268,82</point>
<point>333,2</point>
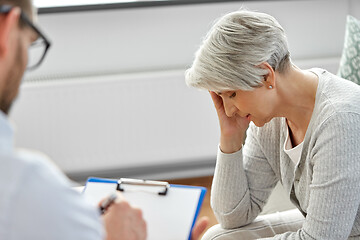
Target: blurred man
<point>36,200</point>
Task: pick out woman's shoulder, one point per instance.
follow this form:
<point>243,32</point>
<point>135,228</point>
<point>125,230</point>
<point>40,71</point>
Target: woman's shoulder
<point>335,97</point>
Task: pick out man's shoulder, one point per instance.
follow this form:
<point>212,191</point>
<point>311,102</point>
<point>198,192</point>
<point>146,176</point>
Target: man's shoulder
<point>40,199</point>
<point>32,169</point>
<point>41,168</point>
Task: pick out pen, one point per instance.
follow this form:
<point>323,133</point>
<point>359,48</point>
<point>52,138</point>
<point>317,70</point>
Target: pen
<point>106,204</point>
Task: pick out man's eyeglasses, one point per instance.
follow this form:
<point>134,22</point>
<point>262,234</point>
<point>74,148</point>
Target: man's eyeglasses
<point>38,48</point>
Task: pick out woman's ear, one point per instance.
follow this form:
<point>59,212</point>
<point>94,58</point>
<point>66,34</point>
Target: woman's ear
<point>8,23</point>
<point>269,78</point>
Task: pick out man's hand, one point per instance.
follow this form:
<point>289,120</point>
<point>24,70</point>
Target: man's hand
<point>199,228</point>
<point>124,222</point>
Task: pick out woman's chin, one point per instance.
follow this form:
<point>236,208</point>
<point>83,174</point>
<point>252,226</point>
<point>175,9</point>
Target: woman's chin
<point>259,123</point>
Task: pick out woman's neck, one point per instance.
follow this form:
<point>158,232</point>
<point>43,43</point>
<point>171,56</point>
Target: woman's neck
<point>297,91</point>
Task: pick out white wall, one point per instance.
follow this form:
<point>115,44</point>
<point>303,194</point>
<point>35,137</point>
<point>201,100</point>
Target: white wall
<point>119,103</point>
<point>162,38</point>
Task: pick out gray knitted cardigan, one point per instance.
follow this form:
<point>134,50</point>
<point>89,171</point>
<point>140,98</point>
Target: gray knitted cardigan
<point>324,185</point>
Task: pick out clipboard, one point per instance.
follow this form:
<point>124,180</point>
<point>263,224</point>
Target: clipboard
<point>170,210</point>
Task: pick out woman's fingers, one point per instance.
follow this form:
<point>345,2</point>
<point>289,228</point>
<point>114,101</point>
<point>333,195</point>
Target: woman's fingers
<point>216,100</point>
<point>232,128</point>
<point>218,103</point>
<point>199,228</point>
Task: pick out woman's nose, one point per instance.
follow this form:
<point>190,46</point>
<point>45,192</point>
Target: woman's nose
<point>230,109</point>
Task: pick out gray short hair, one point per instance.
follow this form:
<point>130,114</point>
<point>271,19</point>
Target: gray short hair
<point>233,49</point>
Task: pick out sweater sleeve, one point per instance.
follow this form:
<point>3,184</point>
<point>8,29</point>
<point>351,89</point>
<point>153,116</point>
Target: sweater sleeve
<point>334,190</point>
<point>242,184</point>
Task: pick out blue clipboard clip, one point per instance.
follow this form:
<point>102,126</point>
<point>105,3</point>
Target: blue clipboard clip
<point>140,182</point>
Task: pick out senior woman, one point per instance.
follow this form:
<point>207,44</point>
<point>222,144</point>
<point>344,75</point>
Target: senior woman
<point>305,133</point>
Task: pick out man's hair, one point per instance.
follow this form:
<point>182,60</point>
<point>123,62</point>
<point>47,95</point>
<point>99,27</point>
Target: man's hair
<point>235,47</point>
<point>25,5</point>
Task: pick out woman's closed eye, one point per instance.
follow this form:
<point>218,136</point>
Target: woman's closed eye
<point>233,95</point>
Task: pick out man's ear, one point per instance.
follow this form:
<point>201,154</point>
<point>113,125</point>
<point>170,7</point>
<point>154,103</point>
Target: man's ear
<point>8,23</point>
<point>269,78</point>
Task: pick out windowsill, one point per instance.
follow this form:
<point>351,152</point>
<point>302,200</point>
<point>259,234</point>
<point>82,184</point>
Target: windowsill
<point>139,4</point>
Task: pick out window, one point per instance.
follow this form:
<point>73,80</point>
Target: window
<point>69,3</point>
<point>49,6</point>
